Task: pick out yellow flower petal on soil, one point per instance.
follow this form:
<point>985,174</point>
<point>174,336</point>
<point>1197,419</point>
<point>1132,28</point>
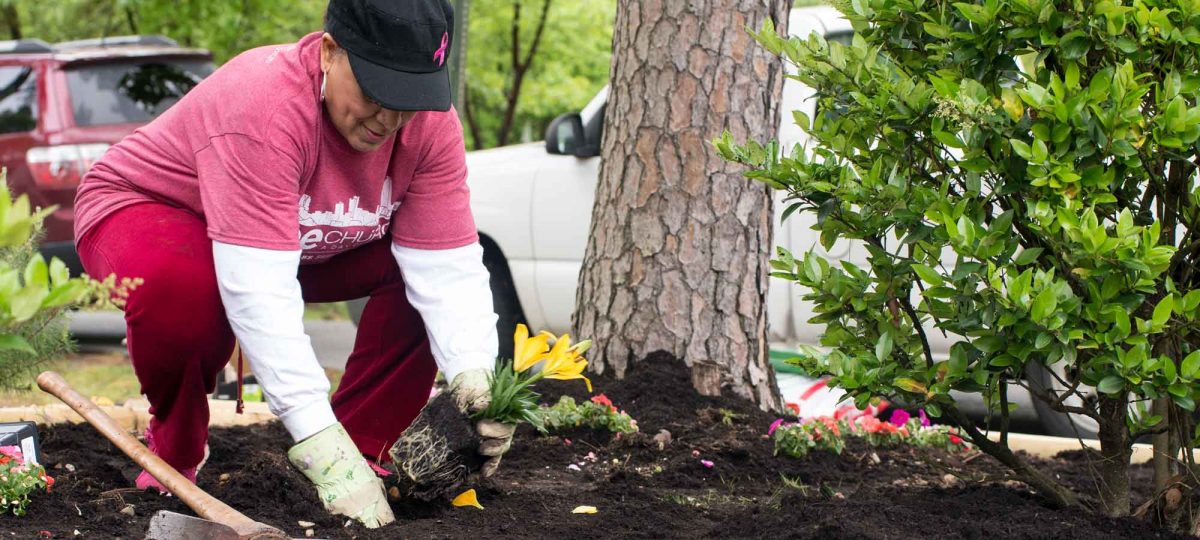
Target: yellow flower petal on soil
<point>565,362</point>
<point>467,498</point>
<point>528,351</point>
<point>584,510</point>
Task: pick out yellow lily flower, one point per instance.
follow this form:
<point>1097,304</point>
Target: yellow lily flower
<point>565,362</point>
<point>528,351</point>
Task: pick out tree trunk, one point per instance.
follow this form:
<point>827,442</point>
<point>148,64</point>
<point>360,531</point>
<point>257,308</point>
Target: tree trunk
<point>677,258</point>
<point>1115,450</point>
<point>458,54</point>
<point>13,20</point>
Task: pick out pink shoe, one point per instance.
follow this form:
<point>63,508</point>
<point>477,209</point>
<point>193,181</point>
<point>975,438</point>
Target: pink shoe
<point>145,480</point>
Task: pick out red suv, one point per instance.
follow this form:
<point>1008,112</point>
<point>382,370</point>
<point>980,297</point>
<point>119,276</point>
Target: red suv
<point>62,105</point>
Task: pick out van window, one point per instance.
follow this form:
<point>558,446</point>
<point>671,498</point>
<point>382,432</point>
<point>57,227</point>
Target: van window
<point>130,92</point>
<point>18,99</point>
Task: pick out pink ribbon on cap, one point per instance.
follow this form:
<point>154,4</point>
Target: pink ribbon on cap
<point>440,54</point>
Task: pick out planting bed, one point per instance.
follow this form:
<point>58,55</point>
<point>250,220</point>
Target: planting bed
<point>639,489</point>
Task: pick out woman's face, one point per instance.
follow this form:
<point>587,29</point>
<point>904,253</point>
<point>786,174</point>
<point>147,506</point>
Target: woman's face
<point>364,123</point>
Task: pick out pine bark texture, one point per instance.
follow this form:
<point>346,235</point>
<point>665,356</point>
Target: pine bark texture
<point>678,254</point>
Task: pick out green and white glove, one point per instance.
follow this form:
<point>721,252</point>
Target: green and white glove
<point>473,392</point>
<point>345,483</point>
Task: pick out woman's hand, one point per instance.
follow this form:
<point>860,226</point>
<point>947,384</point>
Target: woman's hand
<point>345,483</point>
<point>472,392</point>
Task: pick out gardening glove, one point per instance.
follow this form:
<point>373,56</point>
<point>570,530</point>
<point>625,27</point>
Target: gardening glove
<point>472,392</point>
<point>345,483</point>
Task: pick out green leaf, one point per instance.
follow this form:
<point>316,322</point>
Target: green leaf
<point>1022,149</point>
<point>989,344</point>
<point>1111,384</point>
<point>909,385</point>
<point>12,342</point>
<point>883,347</point>
<point>1044,305</point>
<point>1185,402</point>
<point>1179,390</point>
<point>1028,256</point>
<point>25,303</point>
<point>1191,365</point>
<point>927,274</point>
<point>1162,312</point>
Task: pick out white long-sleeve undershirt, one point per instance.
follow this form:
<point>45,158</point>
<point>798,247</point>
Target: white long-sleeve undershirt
<point>263,302</point>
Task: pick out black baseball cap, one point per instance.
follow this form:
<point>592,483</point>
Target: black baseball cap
<point>398,49</point>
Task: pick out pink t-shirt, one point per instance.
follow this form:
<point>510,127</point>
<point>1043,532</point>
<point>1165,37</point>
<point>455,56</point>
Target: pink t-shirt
<point>251,150</point>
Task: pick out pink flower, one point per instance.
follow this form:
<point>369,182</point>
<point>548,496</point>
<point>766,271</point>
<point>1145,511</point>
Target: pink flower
<point>774,426</point>
<point>707,464</point>
<point>924,419</point>
<point>13,452</point>
<point>900,417</point>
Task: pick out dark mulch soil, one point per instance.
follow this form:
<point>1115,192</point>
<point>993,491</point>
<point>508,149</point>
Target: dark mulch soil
<point>641,491</point>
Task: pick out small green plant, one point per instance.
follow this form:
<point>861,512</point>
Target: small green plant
<point>597,413</point>
<point>830,434</point>
<point>18,479</point>
<point>797,440</point>
<point>728,416</point>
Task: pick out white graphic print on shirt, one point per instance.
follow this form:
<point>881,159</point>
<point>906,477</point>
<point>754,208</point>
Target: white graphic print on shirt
<point>324,234</point>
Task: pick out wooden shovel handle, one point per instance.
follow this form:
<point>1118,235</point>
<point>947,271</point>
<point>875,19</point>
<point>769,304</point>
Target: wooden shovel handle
<point>205,505</point>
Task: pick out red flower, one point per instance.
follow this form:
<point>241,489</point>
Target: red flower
<point>870,424</point>
<point>832,425</point>
<point>794,407</point>
<point>601,399</point>
<point>4,460</point>
<point>49,480</point>
<point>955,439</point>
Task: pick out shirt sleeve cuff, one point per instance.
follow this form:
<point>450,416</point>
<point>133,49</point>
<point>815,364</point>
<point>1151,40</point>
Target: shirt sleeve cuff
<point>306,421</point>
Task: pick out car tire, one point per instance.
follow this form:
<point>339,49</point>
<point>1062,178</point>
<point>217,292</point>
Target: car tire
<point>1057,423</point>
<point>504,298</point>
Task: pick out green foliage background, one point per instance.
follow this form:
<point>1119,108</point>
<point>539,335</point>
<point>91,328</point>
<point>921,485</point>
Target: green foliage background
<point>570,67</point>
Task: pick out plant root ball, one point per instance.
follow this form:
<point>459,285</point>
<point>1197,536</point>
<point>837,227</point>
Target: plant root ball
<point>437,454</point>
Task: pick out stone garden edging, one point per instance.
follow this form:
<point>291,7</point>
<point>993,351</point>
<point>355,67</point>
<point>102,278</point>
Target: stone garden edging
<point>133,415</point>
<point>1045,446</point>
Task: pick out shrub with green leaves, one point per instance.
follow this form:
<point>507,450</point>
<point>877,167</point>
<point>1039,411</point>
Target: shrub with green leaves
<point>597,413</point>
<point>1022,175</point>
<point>34,293</point>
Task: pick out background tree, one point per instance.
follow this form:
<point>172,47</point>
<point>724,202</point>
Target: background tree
<point>1023,175</point>
<point>677,256</point>
<point>530,61</point>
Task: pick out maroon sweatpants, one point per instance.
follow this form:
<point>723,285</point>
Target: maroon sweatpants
<point>179,338</point>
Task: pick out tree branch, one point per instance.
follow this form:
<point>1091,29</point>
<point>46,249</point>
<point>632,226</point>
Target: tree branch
<point>472,123</point>
<point>1054,403</point>
<point>520,68</point>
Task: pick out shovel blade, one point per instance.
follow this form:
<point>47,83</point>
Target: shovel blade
<point>173,526</point>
